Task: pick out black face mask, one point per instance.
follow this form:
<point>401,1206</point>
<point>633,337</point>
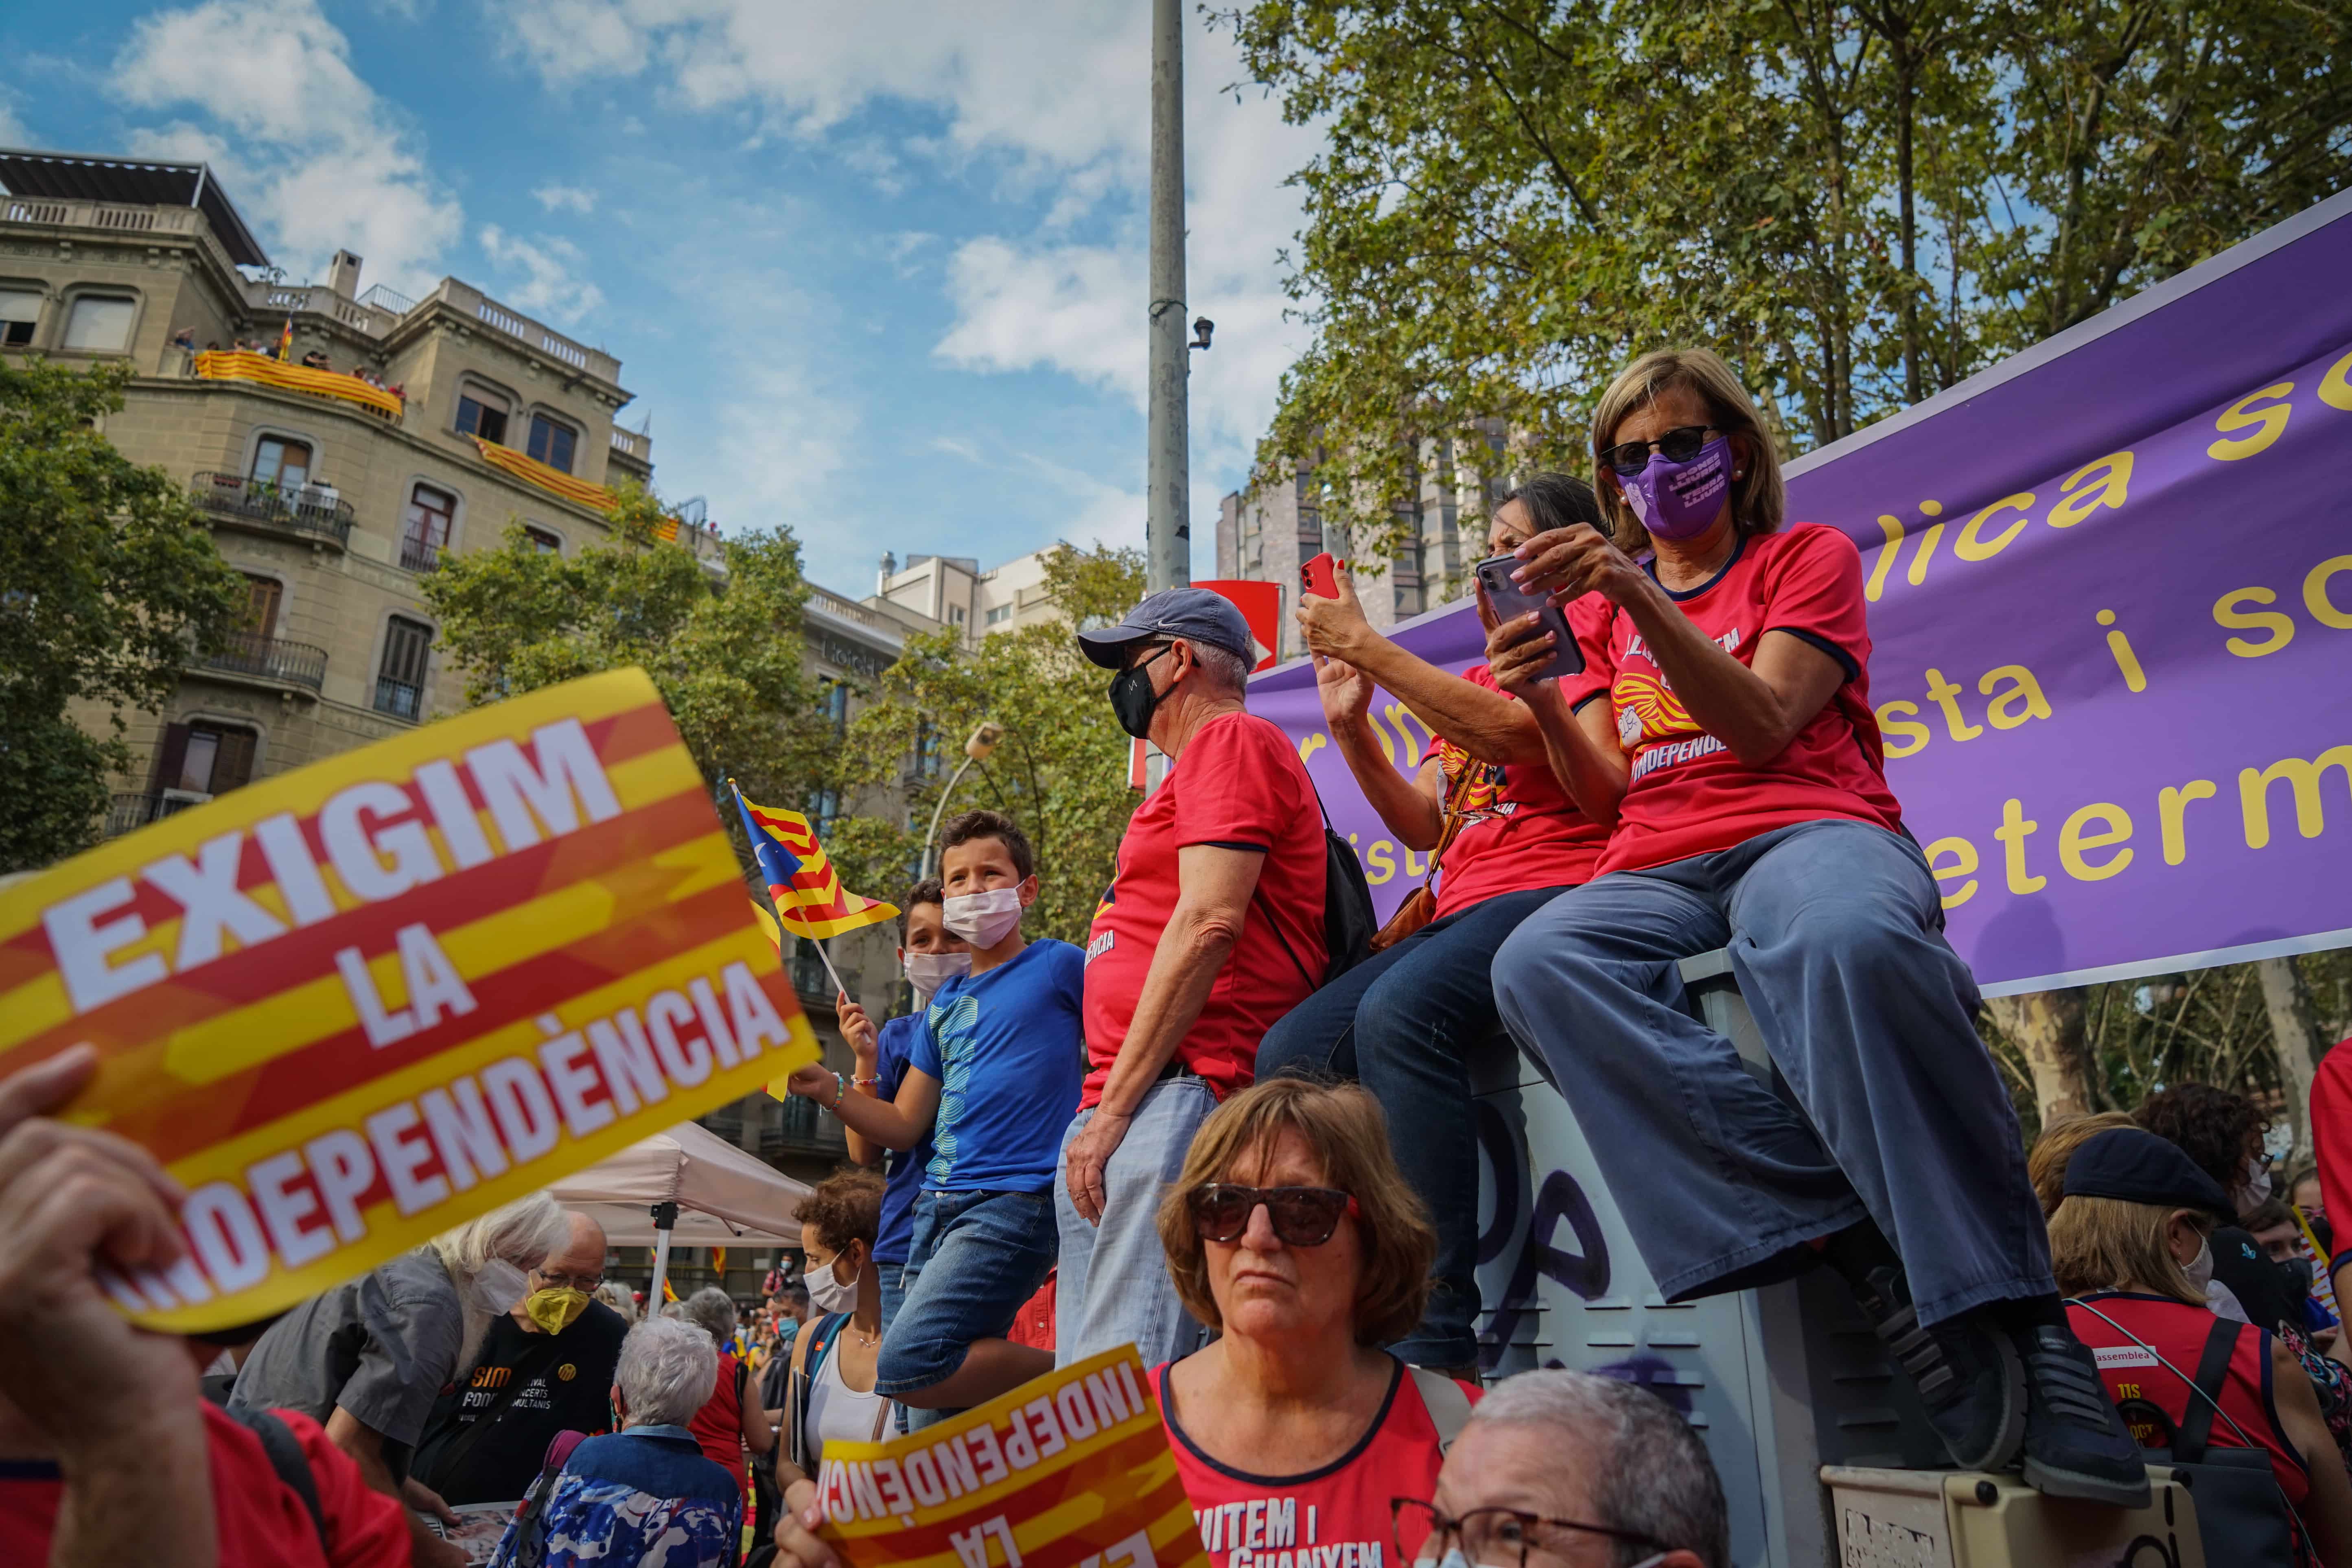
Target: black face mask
<point>1132,699</point>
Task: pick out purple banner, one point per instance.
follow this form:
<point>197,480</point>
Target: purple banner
<point>2111,594</point>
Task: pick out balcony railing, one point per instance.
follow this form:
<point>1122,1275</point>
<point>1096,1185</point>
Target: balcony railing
<point>269,658</point>
<point>309,511</point>
<point>804,1130</point>
<point>128,813</point>
<point>398,698</point>
<point>418,554</point>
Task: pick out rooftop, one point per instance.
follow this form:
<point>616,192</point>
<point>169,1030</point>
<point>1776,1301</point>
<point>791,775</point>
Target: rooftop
<point>69,177</point>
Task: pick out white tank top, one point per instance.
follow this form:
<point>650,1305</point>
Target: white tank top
<point>837,1410</point>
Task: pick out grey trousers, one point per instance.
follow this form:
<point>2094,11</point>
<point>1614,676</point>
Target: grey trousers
<point>1834,932</point>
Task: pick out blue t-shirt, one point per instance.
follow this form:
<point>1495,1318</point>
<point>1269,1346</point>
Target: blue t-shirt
<point>906,1171</point>
<point>1009,1050</point>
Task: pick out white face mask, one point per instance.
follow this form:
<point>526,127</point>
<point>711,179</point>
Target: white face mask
<point>499,1285</point>
<point>2255,1189</point>
<point>2199,1269</point>
<point>983,920</point>
<point>927,972</point>
<point>827,1293</point>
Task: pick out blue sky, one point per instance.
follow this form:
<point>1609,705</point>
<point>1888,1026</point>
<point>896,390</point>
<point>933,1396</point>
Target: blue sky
<point>875,271</point>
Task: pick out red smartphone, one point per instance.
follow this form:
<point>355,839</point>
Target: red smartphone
<point>1315,576</point>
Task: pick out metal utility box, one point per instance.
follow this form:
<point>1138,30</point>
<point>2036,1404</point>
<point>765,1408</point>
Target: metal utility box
<point>1779,1381</point>
<point>1955,1519</point>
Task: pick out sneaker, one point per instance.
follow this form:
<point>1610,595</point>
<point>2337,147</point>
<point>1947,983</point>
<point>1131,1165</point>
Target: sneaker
<point>2075,1444</point>
<point>1967,1373</point>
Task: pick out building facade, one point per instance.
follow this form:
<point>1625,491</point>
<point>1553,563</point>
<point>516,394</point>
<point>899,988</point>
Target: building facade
<point>953,590</point>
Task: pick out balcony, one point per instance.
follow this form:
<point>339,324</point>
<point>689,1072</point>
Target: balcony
<point>271,660</point>
<point>128,813</point>
<point>312,512</point>
<point>399,698</point>
<point>418,554</point>
<point>804,1130</point>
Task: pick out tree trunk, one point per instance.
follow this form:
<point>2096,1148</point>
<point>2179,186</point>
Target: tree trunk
<point>2048,1027</point>
<point>2297,1043</point>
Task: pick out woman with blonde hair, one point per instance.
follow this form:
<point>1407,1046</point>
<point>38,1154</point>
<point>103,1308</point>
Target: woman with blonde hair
<point>1738,761</point>
<point>2131,1244</point>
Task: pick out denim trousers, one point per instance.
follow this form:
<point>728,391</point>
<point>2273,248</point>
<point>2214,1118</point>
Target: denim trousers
<point>1835,936</point>
<point>1401,1024</point>
<point>1114,1286</point>
<point>975,1258</point>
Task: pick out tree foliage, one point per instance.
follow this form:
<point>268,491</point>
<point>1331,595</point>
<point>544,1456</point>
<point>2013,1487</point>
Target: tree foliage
<point>1858,202</point>
<point>109,580</point>
<point>1060,771</point>
<point>725,653</point>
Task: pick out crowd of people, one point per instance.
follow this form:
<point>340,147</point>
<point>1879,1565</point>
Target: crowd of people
<point>1244,1147</point>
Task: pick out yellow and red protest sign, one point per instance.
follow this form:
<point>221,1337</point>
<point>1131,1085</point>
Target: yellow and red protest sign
<point>358,1004</point>
<point>1069,1471</point>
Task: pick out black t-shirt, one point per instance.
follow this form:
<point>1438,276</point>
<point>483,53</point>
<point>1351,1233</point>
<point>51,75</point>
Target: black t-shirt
<point>560,1383</point>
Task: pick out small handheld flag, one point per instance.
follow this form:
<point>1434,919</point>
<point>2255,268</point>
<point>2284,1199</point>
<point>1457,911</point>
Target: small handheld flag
<point>810,900</point>
<point>286,340</point>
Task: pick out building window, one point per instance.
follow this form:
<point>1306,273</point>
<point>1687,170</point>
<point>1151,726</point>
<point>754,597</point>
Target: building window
<point>809,977</point>
<point>825,810</point>
<point>400,678</point>
<point>426,533</point>
<point>955,614</point>
<point>832,702</point>
<point>262,597</point>
<point>482,414</point>
<point>544,541</point>
<point>551,443</point>
<point>100,324</point>
<point>999,614</point>
<point>203,758</point>
<point>280,462</point>
<point>20,313</point>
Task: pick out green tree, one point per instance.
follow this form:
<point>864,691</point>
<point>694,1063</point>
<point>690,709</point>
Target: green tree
<point>109,580</point>
<point>1060,771</point>
<point>1858,202</point>
<point>725,651</point>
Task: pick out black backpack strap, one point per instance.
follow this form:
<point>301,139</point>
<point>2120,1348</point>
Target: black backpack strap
<point>2212,1371</point>
<point>286,1458</point>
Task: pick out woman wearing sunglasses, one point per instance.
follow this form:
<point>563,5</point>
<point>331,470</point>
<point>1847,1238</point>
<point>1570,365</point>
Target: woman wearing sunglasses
<point>1738,761</point>
<point>1292,1231</point>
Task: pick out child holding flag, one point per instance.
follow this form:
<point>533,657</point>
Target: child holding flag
<point>993,1080</point>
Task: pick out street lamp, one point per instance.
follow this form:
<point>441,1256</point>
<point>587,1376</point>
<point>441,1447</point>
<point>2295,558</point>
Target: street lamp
<point>983,740</point>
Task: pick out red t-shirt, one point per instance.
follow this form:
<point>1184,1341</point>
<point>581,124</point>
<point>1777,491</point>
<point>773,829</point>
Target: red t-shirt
<point>1336,1517</point>
<point>718,1425</point>
<point>1238,784</point>
<point>1690,794</point>
<point>260,1522</point>
<point>1524,831</point>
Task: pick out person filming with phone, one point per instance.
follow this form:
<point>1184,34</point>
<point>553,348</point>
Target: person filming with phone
<point>1503,839</point>
<point>1740,760</point>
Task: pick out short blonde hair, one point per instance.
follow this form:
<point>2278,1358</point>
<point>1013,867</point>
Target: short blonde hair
<point>1759,501</point>
<point>2111,1244</point>
<point>2045,1163</point>
<point>1348,1136</point>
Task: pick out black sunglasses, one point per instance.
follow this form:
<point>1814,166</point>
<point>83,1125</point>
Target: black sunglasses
<point>1302,1216</point>
<point>1497,1536</point>
<point>1680,445</point>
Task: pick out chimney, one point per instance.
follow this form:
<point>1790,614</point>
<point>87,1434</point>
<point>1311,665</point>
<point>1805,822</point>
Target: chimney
<point>344,275</point>
<point>889,565</point>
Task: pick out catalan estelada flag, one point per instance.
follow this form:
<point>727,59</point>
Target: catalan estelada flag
<point>809,896</point>
<point>286,340</point>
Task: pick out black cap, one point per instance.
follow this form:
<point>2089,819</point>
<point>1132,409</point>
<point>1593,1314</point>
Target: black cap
<point>1195,614</point>
<point>2135,1165</point>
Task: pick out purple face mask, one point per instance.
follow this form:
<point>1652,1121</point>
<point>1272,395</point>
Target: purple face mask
<point>1677,500</point>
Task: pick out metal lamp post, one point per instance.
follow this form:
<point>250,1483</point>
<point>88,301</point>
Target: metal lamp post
<point>983,740</point>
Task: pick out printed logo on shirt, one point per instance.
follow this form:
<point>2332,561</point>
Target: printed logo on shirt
<point>953,1023</point>
<point>1647,711</point>
<point>1667,756</point>
<point>2125,1355</point>
<point>1266,1533</point>
<point>1100,945</point>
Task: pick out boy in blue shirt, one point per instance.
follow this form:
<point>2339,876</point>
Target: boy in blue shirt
<point>993,1080</point>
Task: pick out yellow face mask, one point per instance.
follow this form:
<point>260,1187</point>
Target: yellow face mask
<point>554,1310</point>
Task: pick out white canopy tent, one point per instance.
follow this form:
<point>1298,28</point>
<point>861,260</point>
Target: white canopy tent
<point>689,1187</point>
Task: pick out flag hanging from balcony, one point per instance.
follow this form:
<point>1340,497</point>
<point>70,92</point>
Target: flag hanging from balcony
<point>810,900</point>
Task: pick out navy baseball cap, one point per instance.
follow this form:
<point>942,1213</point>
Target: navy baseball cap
<point>1194,614</point>
<point>2138,1167</point>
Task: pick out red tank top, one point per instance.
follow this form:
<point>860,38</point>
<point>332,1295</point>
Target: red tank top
<point>718,1425</point>
<point>2178,1331</point>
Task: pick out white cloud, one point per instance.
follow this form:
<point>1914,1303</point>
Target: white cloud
<point>543,273</point>
<point>1103,513</point>
<point>12,129</point>
<point>570,198</point>
<point>307,148</point>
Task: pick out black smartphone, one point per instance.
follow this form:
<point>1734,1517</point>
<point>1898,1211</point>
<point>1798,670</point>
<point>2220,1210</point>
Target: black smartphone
<point>1509,601</point>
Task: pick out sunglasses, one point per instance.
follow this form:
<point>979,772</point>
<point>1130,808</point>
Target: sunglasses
<point>1680,445</point>
<point>1302,1216</point>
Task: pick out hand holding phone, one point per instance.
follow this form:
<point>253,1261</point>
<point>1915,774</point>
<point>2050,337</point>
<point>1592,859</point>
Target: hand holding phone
<point>1509,601</point>
<point>1315,576</point>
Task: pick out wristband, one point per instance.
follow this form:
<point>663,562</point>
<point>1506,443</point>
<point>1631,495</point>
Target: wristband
<point>838,1091</point>
<point>866,1082</point>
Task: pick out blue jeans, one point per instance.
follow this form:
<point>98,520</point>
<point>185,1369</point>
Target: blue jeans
<point>1835,935</point>
<point>890,1279</point>
<point>1114,1287</point>
<point>1398,1024</point>
<point>976,1258</point>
